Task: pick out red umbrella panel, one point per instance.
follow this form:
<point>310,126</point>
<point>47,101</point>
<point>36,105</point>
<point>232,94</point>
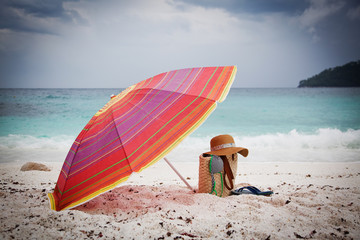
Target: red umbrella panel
<point>136,128</point>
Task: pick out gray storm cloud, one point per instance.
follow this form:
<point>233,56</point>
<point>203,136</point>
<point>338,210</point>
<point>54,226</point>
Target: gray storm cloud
<point>117,43</point>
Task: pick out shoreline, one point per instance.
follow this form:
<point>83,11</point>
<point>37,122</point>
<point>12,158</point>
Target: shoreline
<point>310,200</point>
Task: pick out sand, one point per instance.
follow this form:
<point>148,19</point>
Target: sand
<point>310,201</point>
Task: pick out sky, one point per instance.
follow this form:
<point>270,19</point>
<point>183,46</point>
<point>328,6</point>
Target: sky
<point>114,43</point>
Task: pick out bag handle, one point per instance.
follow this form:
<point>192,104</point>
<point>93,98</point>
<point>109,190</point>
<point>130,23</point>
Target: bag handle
<point>227,171</point>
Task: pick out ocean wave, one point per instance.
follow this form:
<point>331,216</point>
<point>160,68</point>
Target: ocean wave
<point>56,97</point>
<point>324,145</point>
<point>23,148</point>
<point>17,141</point>
<point>325,138</point>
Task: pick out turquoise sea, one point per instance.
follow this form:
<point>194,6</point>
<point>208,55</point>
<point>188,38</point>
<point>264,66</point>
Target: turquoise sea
<point>276,125</point>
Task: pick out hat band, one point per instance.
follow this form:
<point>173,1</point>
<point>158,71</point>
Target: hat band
<point>222,146</point>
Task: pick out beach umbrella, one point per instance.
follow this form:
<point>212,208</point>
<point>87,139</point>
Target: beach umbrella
<point>136,128</point>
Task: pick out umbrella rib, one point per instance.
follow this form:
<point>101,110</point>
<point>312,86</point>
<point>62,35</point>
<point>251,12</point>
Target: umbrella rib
<point>134,106</point>
<point>121,144</point>
<point>134,152</point>
<point>159,129</point>
<point>176,116</point>
<point>166,123</point>
<point>119,136</point>
<point>203,88</point>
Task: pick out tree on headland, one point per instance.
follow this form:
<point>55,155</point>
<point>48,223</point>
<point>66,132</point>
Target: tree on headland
<point>347,75</point>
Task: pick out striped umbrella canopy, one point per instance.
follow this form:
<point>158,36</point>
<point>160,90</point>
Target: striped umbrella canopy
<point>136,128</point>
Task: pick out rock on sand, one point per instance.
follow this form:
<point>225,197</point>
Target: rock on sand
<point>31,166</point>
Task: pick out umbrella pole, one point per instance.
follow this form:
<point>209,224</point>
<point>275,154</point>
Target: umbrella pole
<point>181,177</point>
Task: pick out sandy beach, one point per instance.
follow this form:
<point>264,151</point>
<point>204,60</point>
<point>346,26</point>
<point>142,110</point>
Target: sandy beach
<point>310,201</point>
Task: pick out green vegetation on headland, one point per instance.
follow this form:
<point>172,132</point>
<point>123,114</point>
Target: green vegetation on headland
<point>347,75</point>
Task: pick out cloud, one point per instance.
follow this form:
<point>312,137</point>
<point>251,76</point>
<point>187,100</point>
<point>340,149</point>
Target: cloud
<point>354,13</point>
<point>147,36</point>
<point>38,16</point>
<point>121,38</point>
<point>317,12</point>
<point>117,43</point>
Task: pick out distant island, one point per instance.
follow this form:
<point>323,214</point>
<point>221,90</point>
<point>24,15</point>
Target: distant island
<point>347,75</point>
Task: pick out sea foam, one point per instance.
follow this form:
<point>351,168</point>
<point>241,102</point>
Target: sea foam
<point>324,145</point>
<point>23,148</point>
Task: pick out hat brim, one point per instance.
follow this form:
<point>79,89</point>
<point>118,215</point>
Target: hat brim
<point>228,151</point>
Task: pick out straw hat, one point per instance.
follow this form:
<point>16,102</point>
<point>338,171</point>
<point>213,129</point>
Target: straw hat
<point>225,145</point>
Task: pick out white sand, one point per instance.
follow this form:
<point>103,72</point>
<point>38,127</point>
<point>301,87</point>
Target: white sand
<point>311,200</point>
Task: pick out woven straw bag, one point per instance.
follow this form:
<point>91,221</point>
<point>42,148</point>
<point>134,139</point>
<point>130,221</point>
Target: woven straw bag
<point>205,181</point>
